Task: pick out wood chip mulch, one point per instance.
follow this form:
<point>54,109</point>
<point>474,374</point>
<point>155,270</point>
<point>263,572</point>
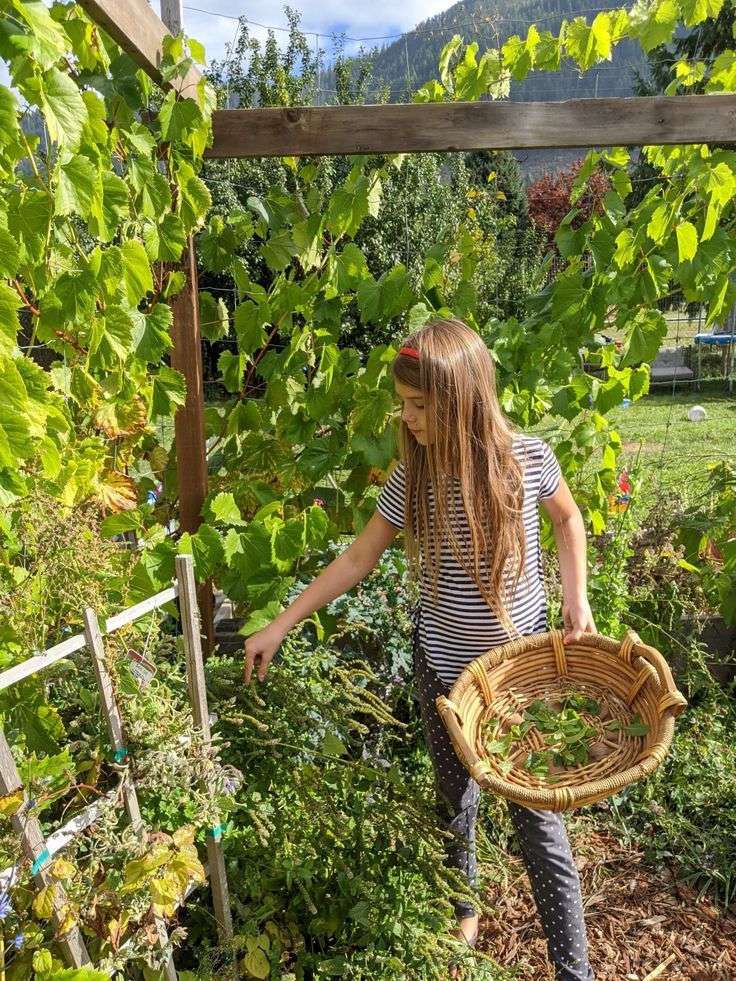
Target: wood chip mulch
<point>641,922</point>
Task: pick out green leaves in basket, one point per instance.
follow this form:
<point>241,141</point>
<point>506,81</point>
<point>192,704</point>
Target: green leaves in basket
<point>635,728</point>
<point>581,702</point>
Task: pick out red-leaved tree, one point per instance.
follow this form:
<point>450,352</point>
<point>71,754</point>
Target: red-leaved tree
<point>549,198</point>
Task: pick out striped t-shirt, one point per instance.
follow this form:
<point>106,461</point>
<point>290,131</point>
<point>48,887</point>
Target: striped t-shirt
<point>462,626</point>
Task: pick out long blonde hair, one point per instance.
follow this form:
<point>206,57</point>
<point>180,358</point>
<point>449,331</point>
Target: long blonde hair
<point>470,441</point>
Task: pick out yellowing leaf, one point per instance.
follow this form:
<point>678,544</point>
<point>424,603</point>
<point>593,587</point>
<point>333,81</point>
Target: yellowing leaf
<point>117,492</point>
<point>67,919</point>
<point>62,869</point>
<point>43,904</point>
<point>122,418</point>
<point>184,836</point>
<point>165,893</point>
<point>11,802</point>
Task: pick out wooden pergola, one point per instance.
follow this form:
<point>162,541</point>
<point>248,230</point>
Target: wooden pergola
<point>433,127</point>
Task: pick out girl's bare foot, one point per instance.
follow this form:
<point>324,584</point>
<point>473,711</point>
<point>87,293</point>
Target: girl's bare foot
<point>467,930</point>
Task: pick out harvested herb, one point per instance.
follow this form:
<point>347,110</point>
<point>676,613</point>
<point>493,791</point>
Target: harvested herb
<point>635,728</point>
<point>569,739</point>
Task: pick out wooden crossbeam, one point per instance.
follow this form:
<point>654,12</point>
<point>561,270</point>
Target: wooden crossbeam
<point>140,33</point>
<point>302,131</point>
<point>72,644</point>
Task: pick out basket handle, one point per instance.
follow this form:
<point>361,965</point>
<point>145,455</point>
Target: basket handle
<point>450,715</point>
<point>671,698</point>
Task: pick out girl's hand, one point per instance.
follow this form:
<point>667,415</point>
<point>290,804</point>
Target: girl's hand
<point>260,648</point>
<point>577,619</point>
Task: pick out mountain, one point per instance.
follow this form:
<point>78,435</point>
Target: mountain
<point>412,60</point>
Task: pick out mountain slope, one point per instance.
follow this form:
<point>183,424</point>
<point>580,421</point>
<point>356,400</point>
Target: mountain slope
<point>412,59</point>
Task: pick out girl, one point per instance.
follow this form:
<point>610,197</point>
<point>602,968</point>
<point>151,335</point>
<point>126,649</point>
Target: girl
<point>466,495</point>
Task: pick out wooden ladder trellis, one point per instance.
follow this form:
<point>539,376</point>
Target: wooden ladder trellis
<point>36,846</point>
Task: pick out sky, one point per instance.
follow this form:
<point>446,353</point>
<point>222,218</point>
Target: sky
<point>327,17</point>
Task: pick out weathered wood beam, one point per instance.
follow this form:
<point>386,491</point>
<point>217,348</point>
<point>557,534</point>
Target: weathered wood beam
<point>302,131</point>
<point>140,33</point>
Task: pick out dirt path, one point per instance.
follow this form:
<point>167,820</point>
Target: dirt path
<point>636,917</point>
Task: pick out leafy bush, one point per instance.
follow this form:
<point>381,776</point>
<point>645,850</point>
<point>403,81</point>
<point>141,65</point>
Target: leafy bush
<point>337,847</point>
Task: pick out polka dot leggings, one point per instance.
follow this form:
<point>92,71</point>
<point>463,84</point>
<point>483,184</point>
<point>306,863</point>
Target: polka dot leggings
<point>541,835</point>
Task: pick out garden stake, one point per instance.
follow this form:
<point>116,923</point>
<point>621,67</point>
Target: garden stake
<point>26,825</point>
<point>198,698</point>
<point>93,637</point>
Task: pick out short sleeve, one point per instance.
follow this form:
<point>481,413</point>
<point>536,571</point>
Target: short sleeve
<point>390,501</point>
<point>551,473</point>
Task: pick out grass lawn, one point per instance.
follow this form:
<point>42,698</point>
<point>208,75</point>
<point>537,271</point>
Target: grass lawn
<point>674,453</point>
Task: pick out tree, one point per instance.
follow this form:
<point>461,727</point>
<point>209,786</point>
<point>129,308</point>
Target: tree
<point>550,199</point>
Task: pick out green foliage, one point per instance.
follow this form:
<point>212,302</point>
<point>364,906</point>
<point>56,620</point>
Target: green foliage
<point>339,844</point>
<point>88,215</point>
<point>679,813</point>
<point>708,534</point>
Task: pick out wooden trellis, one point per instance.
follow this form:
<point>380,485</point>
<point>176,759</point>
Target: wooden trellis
<point>40,849</point>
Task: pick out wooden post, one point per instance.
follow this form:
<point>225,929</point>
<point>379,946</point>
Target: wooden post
<point>198,698</point>
<point>172,14</point>
<point>93,636</point>
<point>26,825</point>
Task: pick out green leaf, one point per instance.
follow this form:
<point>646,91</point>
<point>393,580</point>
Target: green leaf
<point>166,240</point>
<point>114,207</point>
<point>113,336</point>
<point>289,541</point>
<point>333,746</point>
<point>351,268</point>
<point>77,187</point>
<point>63,108</point>
<point>249,325</point>
<point>179,117</point>
<point>260,619</point>
<point>231,367</point>
<point>645,335</point>
<point>214,319</point>
<point>385,299</point>
<point>169,390</point>
<point>257,206</point>
<point>152,335</point>
<point>136,271</point>
<point>653,24</point>
<point>208,551</point>
<point>687,241</point>
<point>446,56</point>
<point>278,250</point>
<point>10,303</point>
<point>223,509</point>
<point>695,11</point>
<point>116,524</point>
<point>46,41</point>
<point>256,964</point>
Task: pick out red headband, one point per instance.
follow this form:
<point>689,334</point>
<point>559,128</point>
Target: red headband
<point>411,351</point>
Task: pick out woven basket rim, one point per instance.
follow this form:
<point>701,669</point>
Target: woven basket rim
<point>630,649</point>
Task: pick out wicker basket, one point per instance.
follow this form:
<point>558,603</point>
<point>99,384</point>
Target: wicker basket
<point>627,677</point>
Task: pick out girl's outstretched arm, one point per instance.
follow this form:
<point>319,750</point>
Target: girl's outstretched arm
<point>569,530</point>
<point>344,572</point>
